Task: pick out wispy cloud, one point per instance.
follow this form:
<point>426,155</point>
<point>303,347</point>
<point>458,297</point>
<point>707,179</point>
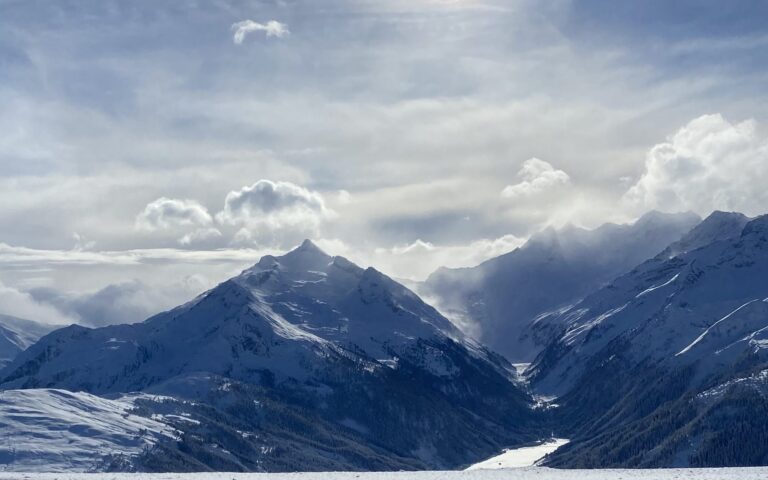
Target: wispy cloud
<point>272,28</point>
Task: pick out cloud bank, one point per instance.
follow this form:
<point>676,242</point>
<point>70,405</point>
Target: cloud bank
<point>709,164</point>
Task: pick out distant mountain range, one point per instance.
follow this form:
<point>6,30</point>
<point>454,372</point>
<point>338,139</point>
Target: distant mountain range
<point>500,297</point>
<point>648,346</point>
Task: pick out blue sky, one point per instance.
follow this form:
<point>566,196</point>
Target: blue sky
<point>142,146</point>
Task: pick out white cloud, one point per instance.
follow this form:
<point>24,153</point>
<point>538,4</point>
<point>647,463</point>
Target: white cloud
<point>272,28</point>
<point>200,235</point>
<point>274,212</point>
<point>179,216</point>
<point>171,212</point>
<point>82,243</point>
<point>118,303</point>
<point>709,164</point>
<point>12,257</point>
<point>536,176</point>
<point>416,260</point>
<point>22,305</point>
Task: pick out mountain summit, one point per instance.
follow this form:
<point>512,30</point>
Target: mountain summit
<point>314,337</point>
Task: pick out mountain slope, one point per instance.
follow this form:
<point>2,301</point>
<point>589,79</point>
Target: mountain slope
<point>70,432</point>
<point>634,358</point>
<point>317,336</point>
<point>501,296</point>
<point>17,334</point>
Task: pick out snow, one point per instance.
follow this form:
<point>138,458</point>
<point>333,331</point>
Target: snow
<point>60,430</point>
<point>702,306</point>
<point>520,457</point>
<point>534,473</point>
<point>656,287</point>
<point>704,334</point>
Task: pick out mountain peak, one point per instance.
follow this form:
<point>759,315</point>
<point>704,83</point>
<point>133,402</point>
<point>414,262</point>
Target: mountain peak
<point>309,246</point>
<point>306,254</point>
<point>655,217</point>
<point>718,226</point>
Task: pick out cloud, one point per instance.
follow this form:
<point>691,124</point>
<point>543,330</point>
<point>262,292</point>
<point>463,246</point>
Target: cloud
<point>276,212</point>
<point>21,304</point>
<point>119,303</point>
<point>272,28</point>
<point>416,260</point>
<point>170,212</point>
<point>199,236</point>
<point>177,215</point>
<point>537,176</point>
<point>82,243</point>
<point>709,164</point>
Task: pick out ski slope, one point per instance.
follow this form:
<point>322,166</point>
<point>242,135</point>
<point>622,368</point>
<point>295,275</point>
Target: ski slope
<point>533,473</point>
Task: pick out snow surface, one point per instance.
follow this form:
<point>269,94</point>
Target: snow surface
<point>533,473</point>
<point>520,457</point>
<point>706,332</point>
<point>60,430</point>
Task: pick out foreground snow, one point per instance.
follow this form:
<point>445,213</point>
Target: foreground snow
<point>520,457</point>
<point>533,473</point>
<point>58,430</point>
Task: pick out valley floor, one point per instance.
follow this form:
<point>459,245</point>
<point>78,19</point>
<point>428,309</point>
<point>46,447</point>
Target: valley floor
<point>533,473</point>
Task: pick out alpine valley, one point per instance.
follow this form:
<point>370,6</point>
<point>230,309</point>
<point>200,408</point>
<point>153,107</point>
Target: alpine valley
<point>646,345</point>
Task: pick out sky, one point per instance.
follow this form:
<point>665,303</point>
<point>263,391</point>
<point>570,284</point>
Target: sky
<point>149,150</point>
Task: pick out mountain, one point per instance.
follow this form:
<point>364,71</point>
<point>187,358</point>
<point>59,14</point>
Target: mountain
<point>666,365</point>
<point>500,297</point>
<point>302,362</point>
<point>17,334</point>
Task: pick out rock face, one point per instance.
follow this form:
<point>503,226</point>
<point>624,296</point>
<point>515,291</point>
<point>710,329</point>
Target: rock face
<point>667,362</point>
<point>348,369</point>
<point>500,298</point>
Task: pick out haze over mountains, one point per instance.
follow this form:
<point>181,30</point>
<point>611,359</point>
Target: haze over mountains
<point>651,336</point>
<point>498,298</point>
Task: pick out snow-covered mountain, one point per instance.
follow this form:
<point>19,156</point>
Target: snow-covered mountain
<point>17,334</point>
<point>500,297</point>
<point>323,344</point>
<point>633,356</point>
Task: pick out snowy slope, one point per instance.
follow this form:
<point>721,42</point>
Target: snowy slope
<point>499,298</point>
<point>17,334</point>
<point>512,474</point>
<point>316,336</point>
<point>67,431</point>
<point>633,358</point>
<point>707,305</point>
<point>520,457</point>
